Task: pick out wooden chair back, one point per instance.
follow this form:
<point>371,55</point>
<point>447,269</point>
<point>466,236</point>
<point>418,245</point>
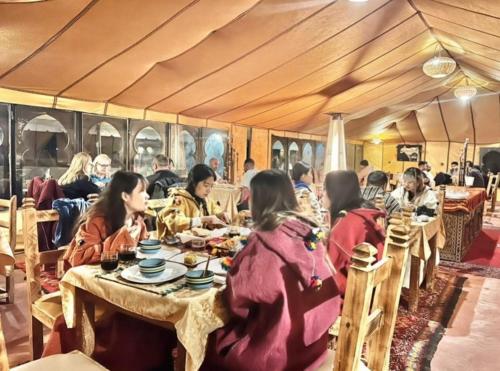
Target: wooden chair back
<point>35,260</point>
<point>491,189</point>
<point>441,198</point>
<point>8,234</point>
<point>372,299</point>
<point>9,227</point>
<point>33,257</point>
<point>380,204</point>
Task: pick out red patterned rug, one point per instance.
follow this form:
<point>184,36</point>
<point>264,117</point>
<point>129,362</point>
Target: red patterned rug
<point>417,335</point>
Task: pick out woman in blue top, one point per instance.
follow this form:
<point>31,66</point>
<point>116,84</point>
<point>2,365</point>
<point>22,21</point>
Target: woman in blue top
<point>302,177</point>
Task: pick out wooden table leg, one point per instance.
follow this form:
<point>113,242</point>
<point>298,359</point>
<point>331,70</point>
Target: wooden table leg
<point>84,323</point>
<point>431,265</point>
<point>414,283</point>
<point>180,360</point>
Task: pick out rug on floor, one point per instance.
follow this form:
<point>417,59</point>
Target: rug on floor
<point>417,335</point>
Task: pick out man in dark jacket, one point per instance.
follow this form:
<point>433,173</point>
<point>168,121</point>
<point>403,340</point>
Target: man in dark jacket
<point>162,178</point>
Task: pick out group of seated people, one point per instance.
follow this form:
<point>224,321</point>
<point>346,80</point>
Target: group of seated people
<point>282,295</point>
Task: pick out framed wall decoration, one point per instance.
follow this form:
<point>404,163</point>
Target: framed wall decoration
<point>409,152</point>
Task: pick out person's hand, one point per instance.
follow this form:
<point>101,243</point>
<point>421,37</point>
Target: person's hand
<point>211,220</point>
<point>224,217</point>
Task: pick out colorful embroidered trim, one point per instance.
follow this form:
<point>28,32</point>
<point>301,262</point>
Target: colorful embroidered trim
<point>316,236</point>
<point>311,242</point>
<point>226,263</point>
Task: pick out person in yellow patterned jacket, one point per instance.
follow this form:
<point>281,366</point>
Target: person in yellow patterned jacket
<point>190,207</point>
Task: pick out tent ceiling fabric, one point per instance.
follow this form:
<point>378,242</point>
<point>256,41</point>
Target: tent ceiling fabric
<point>278,64</point>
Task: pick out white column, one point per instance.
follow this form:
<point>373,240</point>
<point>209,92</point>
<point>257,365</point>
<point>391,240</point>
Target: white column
<point>335,148</point>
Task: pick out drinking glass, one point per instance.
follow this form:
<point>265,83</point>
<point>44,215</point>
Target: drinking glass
<point>197,244</point>
<point>109,261</point>
<point>126,252</point>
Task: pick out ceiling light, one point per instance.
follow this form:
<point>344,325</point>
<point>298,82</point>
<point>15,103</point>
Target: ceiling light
<point>466,91</point>
<point>439,66</point>
<point>376,140</point>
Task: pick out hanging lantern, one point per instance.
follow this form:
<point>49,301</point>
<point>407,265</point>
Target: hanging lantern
<point>465,91</point>
<point>439,66</point>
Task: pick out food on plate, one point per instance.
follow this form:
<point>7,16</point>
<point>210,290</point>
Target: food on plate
<point>190,259</point>
<point>200,232</point>
<point>229,244</point>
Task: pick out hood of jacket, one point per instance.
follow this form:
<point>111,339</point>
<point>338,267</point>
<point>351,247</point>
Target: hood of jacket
<point>289,242</point>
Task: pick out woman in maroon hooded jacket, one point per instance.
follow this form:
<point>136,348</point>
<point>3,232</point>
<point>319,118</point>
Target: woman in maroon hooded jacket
<point>280,292</point>
<point>353,221</point>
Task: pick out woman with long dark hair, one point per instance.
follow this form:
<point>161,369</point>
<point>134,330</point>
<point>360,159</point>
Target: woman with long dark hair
<point>302,176</point>
<point>280,292</point>
<point>353,221</point>
<point>191,207</point>
<point>414,191</point>
<point>115,219</point>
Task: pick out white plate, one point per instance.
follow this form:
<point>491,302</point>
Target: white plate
<point>456,195</point>
<point>171,272</point>
<point>164,253</point>
<point>213,266</point>
<point>180,258</point>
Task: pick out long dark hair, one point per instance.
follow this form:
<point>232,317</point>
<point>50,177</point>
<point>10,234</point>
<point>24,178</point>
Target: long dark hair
<point>271,192</point>
<point>342,188</point>
<point>199,173</point>
<point>110,204</point>
<point>418,175</point>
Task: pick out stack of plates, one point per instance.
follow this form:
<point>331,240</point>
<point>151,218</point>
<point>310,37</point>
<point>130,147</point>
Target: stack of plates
<point>152,267</point>
<point>150,246</point>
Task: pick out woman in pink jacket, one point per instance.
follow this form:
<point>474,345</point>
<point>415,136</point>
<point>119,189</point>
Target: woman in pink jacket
<point>280,291</point>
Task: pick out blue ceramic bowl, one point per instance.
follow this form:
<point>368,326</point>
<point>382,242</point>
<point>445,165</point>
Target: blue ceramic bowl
<point>149,251</point>
<point>195,280</point>
<point>150,246</point>
<point>152,267</point>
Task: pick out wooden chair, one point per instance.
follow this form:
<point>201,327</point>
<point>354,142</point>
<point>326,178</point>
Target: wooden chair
<point>380,204</point>
<point>441,198</point>
<point>76,361</point>
<point>371,301</point>
<point>9,229</point>
<point>491,189</point>
<point>44,308</point>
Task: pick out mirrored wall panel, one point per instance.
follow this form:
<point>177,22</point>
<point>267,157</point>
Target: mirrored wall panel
<point>4,152</point>
<point>147,139</point>
<point>45,143</point>
<point>106,135</point>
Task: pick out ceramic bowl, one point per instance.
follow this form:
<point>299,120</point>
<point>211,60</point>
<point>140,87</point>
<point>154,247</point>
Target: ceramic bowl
<point>150,246</point>
<point>195,280</point>
<point>152,267</point>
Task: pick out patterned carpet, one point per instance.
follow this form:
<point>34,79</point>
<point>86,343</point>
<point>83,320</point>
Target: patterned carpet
<point>416,336</point>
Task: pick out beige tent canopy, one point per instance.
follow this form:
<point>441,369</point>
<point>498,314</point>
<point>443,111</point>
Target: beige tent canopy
<point>278,64</point>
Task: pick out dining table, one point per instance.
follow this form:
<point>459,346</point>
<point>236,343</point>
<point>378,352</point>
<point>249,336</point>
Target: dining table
<point>192,314</point>
<point>227,197</point>
<point>463,220</point>
<point>424,257</point>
